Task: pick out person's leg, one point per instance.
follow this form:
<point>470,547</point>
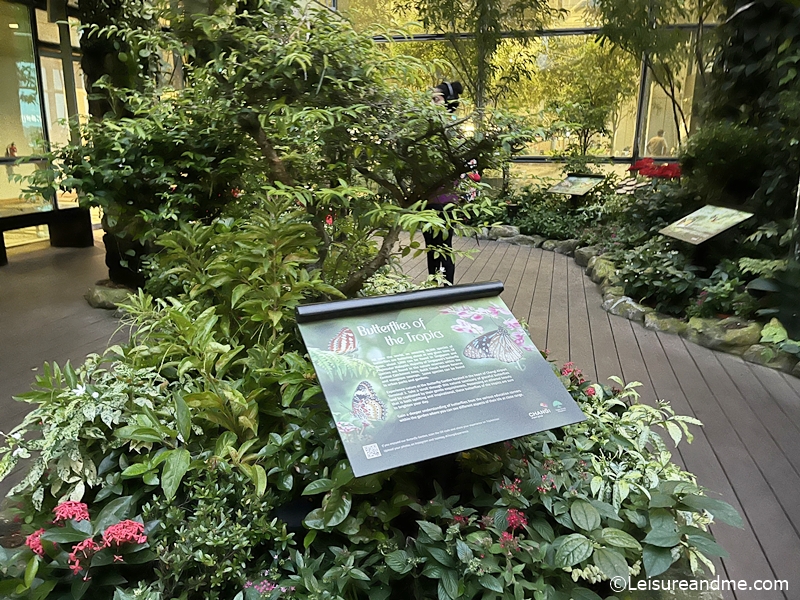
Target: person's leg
<point>448,263</point>
<point>431,240</point>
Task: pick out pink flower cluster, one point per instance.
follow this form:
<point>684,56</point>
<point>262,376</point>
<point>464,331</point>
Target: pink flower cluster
<point>34,543</point>
<point>509,542</point>
<point>548,483</point>
<point>264,586</point>
<point>82,551</point>
<point>75,511</point>
<point>124,532</point>
<point>512,488</point>
<point>516,519</point>
<point>570,370</point>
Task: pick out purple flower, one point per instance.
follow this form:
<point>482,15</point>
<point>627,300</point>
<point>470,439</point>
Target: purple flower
<point>465,327</point>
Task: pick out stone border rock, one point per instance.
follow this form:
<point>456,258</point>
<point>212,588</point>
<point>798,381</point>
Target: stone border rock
<point>732,335</point>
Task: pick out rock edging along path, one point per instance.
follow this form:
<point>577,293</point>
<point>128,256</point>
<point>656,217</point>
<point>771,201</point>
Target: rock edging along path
<point>732,335</point>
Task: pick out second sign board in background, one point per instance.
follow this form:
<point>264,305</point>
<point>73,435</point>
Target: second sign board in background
<point>407,381</point>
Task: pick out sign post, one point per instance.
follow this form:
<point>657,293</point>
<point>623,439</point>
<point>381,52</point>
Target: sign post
<point>424,374</point>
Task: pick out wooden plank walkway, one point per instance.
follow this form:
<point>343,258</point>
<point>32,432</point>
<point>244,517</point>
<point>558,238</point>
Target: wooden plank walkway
<point>748,451</point>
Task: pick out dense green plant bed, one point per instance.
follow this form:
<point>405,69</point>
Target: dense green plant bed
<point>200,461</point>
<point>674,277</point>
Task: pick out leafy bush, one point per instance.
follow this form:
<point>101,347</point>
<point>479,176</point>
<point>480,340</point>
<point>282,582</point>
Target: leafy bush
<point>211,411</point>
<point>548,215</point>
<point>723,293</point>
<point>658,273</point>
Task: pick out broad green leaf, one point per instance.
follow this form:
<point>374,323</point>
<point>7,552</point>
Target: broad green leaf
<point>335,507</point>
<point>619,538</point>
<point>656,560</point>
<point>285,482</point>
<point>584,515</point>
<point>183,417</point>
<point>433,531</point>
<point>314,519</point>
<point>611,563</point>
<point>319,486</point>
<point>574,549</point>
<point>721,511</point>
<point>31,569</point>
<point>115,511</point>
<point>464,552</point>
<point>450,582</point>
<point>441,556</point>
<point>491,583</point>
<point>259,477</point>
<point>707,546</point>
<point>399,561</point>
<point>175,468</point>
<point>663,538</point>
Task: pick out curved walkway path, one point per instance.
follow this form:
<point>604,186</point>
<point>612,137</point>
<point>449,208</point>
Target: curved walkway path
<point>749,447</point>
<point>748,451</point>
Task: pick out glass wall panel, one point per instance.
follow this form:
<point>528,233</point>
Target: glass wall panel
<point>12,199</point>
<point>26,235</point>
<point>48,32</point>
<point>581,96</point>
<point>529,173</point>
<point>574,14</point>
<point>667,111</point>
<point>373,14</point>
<point>55,100</point>
<point>20,111</point>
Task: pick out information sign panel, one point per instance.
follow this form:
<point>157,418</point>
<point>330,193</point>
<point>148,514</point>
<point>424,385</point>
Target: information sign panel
<point>576,184</point>
<point>705,223</point>
<point>407,382</point>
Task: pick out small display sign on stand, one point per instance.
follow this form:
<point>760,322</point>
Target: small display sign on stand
<point>423,374</point>
<point>705,223</point>
<point>576,184</point>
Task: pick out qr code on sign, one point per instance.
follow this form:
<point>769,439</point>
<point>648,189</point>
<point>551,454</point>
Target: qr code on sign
<point>372,451</point>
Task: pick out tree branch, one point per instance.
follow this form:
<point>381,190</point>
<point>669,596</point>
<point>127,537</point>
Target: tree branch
<point>356,280</point>
<point>248,121</point>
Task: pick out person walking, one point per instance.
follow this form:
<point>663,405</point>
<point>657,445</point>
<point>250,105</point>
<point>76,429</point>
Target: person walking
<point>439,246</point>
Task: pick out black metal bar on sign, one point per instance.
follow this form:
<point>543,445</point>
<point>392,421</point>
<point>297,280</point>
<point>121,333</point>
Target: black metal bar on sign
<point>360,306</point>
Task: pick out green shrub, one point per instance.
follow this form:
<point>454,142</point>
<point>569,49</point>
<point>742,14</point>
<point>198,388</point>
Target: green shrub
<point>548,215</point>
<point>659,274</point>
<point>723,293</point>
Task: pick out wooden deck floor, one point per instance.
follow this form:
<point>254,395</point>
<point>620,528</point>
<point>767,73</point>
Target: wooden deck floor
<point>749,448</point>
<point>748,451</point>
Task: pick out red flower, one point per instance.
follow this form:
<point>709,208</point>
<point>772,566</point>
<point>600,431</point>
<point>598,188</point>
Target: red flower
<point>124,532</point>
<point>650,169</point>
<point>508,541</point>
<point>76,511</point>
<point>590,391</point>
<point>474,176</point>
<point>82,551</point>
<point>34,543</point>
<point>516,519</point>
<point>641,164</point>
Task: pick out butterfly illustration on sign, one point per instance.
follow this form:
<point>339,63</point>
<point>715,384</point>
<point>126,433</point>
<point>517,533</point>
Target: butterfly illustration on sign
<point>367,407</point>
<point>497,344</point>
<point>343,342</point>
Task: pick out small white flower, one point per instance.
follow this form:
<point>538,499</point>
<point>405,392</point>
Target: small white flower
<point>95,395</point>
<point>80,390</point>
